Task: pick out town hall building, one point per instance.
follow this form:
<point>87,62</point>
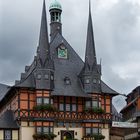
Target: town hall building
<point>59,96</point>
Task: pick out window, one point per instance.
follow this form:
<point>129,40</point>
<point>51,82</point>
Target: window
<point>99,104</point>
<point>39,130</point>
<point>88,104</point>
<point>61,107</point>
<point>52,17</point>
<point>95,130</point>
<point>88,131</point>
<point>7,135</point>
<point>92,130</point>
<point>67,81</point>
<point>38,76</point>
<point>94,81</point>
<point>73,107</point>
<point>67,107</point>
<point>87,81</point>
<point>46,100</point>
<point>46,76</point>
<point>94,103</point>
<point>52,78</point>
<point>51,101</point>
<point>46,129</point>
<point>51,130</point>
<point>39,101</point>
<point>73,124</point>
<point>60,124</point>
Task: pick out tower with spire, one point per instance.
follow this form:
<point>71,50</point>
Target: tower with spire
<point>44,72</point>
<point>59,96</point>
<point>91,72</point>
<point>55,18</point>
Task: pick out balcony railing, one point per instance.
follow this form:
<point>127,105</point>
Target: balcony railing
<point>60,115</point>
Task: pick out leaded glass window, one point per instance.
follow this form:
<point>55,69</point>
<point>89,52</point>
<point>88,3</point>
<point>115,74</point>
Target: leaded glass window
<point>39,101</point>
<point>67,107</point>
<point>88,104</point>
<point>88,131</point>
<point>94,103</point>
<point>61,107</point>
<point>39,130</point>
<point>73,107</point>
<point>46,100</point>
<point>8,135</point>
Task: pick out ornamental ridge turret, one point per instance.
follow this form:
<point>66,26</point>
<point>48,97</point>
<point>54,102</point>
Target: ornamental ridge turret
<point>55,19</point>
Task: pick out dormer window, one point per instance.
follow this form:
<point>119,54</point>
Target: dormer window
<point>94,81</point>
<point>38,76</point>
<point>46,76</point>
<point>87,81</point>
<point>52,77</point>
<point>67,81</point>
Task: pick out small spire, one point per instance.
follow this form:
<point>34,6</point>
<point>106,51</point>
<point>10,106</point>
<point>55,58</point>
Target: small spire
<point>44,48</point>
<point>89,6</point>
<point>90,45</point>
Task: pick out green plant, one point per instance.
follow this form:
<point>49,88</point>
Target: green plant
<point>47,107</point>
<point>95,110</point>
<point>49,136</point>
<point>95,136</point>
<point>98,136</point>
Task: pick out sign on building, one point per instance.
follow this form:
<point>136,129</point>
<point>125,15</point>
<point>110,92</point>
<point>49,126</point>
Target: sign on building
<point>124,124</point>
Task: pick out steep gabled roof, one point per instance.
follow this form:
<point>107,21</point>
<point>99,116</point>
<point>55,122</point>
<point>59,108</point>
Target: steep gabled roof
<point>69,67</point>
<point>7,121</point>
<point>106,89</point>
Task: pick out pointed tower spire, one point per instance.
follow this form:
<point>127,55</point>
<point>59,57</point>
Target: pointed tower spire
<point>90,56</point>
<point>44,72</point>
<point>44,48</point>
<point>91,72</point>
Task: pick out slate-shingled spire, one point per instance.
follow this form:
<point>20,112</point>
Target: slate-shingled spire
<point>44,48</point>
<point>90,56</point>
<point>91,72</point>
<point>44,74</point>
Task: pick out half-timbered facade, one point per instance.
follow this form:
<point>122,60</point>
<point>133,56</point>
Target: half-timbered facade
<point>131,113</point>
<point>58,96</point>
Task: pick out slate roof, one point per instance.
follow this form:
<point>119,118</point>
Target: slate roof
<point>106,89</point>
<point>70,67</point>
<point>66,68</point>
<point>7,121</point>
<point>3,90</point>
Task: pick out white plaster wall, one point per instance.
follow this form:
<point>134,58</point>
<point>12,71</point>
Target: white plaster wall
<point>116,138</point>
<point>105,132</point>
<point>26,133</point>
<point>78,130</point>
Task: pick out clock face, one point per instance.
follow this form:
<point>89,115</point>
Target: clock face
<point>62,52</point>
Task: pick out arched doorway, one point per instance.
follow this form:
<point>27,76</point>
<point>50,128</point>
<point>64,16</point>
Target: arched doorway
<point>67,135</point>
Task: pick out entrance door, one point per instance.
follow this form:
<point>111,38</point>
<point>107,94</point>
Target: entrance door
<point>67,135</point>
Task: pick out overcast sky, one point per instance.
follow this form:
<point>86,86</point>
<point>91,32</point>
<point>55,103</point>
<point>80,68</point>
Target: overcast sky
<point>116,30</point>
